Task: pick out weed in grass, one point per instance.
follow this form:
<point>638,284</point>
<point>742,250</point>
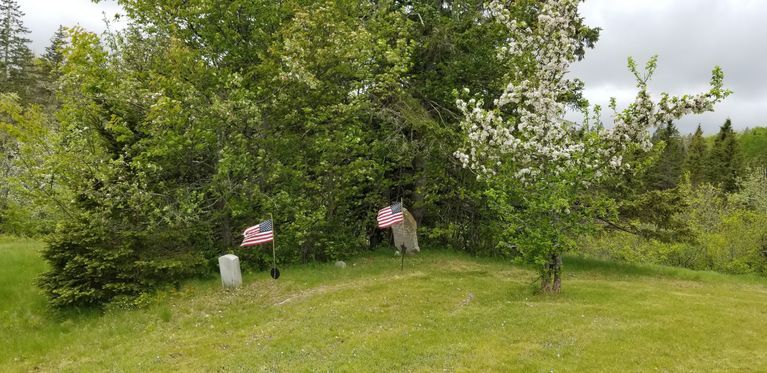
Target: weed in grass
<point>165,314</point>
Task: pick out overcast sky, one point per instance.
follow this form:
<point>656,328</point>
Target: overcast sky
<point>43,17</point>
<point>690,37</point>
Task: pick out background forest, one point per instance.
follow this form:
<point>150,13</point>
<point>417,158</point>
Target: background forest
<point>143,154</point>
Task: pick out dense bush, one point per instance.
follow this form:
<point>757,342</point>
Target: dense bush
<point>94,261</point>
<point>729,232</point>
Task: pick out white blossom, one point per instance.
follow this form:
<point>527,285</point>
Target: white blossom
<point>536,140</point>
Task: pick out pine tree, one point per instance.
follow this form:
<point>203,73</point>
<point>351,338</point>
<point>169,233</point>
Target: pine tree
<point>725,163</point>
<point>15,56</point>
<point>49,64</point>
<point>667,171</point>
<point>697,156</point>
<point>53,56</point>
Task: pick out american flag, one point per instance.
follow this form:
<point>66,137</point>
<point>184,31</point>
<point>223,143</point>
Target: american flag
<point>390,215</point>
<point>259,234</point>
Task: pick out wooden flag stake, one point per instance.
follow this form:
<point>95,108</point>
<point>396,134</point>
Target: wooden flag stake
<point>274,251</point>
<point>403,249</point>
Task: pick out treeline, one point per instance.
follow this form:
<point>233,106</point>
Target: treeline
<point>717,160</point>
<point>143,154</point>
<point>173,135</point>
<point>753,145</point>
<point>715,192</point>
<point>28,86</point>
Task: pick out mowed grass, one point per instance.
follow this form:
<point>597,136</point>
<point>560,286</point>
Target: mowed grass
<point>444,311</point>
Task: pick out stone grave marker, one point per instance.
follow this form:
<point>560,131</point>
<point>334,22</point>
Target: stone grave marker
<point>231,277</point>
<point>405,233</point>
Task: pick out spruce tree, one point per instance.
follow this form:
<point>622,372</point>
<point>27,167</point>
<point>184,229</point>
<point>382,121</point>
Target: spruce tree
<point>50,63</point>
<point>725,163</point>
<point>15,55</point>
<point>54,56</point>
<point>667,171</point>
<point>697,156</point>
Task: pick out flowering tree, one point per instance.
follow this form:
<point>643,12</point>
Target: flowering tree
<point>538,165</point>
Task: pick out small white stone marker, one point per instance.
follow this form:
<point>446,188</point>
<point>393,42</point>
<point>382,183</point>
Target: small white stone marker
<point>229,264</point>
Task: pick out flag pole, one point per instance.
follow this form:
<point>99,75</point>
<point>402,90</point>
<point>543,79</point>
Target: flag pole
<point>403,249</point>
<point>274,238</point>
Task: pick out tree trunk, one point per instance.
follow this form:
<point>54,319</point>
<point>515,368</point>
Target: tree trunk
<point>225,229</point>
<point>551,278</point>
<point>545,280</point>
<point>557,269</point>
<point>419,165</point>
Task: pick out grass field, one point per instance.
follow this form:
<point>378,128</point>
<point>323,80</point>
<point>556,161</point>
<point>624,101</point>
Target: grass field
<point>445,311</point>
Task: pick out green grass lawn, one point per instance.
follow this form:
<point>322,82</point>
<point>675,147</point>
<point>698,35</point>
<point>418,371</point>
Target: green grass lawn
<point>445,311</point>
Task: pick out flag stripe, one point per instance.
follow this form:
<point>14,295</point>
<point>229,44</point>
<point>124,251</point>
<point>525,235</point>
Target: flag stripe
<point>258,234</point>
<point>256,241</point>
<point>389,225</point>
<point>389,220</point>
<point>390,215</point>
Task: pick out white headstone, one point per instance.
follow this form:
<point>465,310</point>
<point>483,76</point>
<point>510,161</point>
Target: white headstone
<point>231,277</point>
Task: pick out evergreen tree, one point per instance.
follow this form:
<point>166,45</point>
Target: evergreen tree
<point>54,55</point>
<point>725,163</point>
<point>49,69</point>
<point>667,171</point>
<point>15,56</point>
<point>697,155</point>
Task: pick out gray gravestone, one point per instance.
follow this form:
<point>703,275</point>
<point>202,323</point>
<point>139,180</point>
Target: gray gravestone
<point>231,277</point>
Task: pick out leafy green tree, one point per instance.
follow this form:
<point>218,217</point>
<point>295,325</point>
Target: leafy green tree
<point>725,163</point>
<point>753,192</point>
<point>753,144</point>
<point>33,199</point>
<point>15,65</point>
<point>7,152</point>
<point>24,212</point>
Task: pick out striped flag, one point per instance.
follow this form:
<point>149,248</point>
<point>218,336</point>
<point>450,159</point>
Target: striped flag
<point>390,215</point>
<point>259,234</point>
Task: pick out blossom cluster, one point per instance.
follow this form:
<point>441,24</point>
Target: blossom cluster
<point>524,129</point>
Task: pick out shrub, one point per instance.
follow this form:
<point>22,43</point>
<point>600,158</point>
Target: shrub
<point>93,263</point>
<point>729,232</point>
